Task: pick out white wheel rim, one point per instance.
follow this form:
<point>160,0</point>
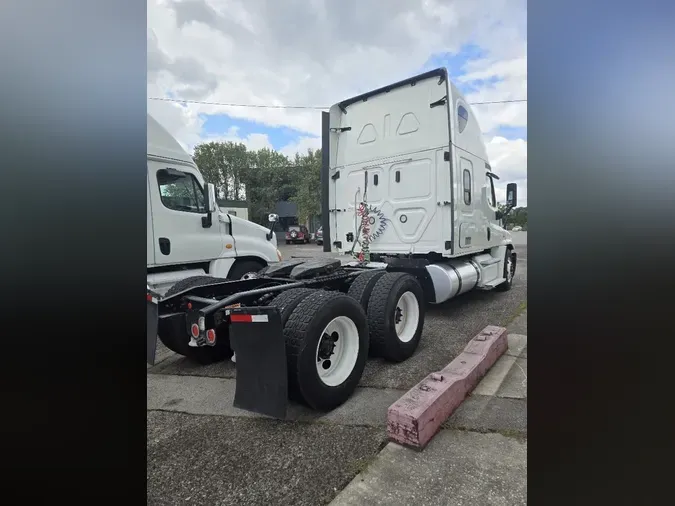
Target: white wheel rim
<point>407,317</point>
<point>335,359</point>
<point>250,275</point>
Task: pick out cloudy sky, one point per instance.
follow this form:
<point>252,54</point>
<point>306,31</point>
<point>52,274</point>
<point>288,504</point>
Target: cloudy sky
<point>317,52</point>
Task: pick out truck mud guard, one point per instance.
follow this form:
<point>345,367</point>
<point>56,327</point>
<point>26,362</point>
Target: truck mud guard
<point>152,315</point>
<point>257,339</point>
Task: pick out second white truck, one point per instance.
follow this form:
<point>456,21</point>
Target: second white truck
<point>188,235</point>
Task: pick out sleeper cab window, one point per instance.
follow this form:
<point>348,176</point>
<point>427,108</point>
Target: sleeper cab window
<point>467,187</point>
<point>462,118</point>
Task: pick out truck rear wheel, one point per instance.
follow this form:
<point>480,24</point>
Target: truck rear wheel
<point>363,286</point>
<point>177,339</point>
<point>396,316</point>
<point>326,348</point>
<point>287,301</point>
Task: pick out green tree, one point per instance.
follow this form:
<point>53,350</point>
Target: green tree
<point>262,177</point>
<point>307,178</point>
<point>221,164</point>
<point>517,216</point>
<point>267,180</point>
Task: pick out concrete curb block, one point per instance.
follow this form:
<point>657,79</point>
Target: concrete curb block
<point>416,417</point>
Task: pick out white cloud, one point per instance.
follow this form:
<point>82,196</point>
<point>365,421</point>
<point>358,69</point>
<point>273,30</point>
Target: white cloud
<point>508,159</point>
<point>301,145</point>
<point>317,52</point>
<point>252,141</point>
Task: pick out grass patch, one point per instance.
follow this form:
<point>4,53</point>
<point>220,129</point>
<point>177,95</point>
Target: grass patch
<point>519,310</point>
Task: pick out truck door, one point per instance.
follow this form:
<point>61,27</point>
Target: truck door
<point>489,208</point>
<point>178,206</point>
<point>150,235</point>
<point>467,213</point>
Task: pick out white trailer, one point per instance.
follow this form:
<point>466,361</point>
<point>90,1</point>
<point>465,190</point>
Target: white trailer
<point>407,181</point>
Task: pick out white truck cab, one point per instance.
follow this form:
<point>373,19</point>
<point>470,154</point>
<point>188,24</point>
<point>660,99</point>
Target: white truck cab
<point>408,178</point>
<point>188,234</point>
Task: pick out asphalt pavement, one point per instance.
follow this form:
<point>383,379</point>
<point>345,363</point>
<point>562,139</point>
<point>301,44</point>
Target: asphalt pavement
<point>202,450</point>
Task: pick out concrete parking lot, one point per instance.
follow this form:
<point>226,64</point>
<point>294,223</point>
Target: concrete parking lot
<point>201,450</point>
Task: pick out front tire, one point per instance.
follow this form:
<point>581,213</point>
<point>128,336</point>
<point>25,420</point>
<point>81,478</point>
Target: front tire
<point>245,269</point>
<point>509,271</point>
<point>326,348</point>
<point>396,316</point>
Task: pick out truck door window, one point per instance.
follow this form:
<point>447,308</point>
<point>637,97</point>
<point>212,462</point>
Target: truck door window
<point>467,187</point>
<point>491,192</point>
<point>180,191</point>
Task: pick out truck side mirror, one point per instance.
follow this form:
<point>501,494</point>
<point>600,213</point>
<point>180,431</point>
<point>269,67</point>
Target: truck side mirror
<point>272,218</point>
<point>512,195</point>
<point>210,197</point>
<point>210,202</point>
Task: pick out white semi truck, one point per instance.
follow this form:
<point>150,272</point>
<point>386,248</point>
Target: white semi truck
<point>188,234</point>
<point>407,190</point>
<point>409,179</point>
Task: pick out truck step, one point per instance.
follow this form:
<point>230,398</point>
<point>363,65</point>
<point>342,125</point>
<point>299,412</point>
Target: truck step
<point>491,284</point>
<point>491,261</point>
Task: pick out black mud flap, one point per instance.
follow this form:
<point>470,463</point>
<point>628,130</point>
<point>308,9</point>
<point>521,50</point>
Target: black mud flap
<point>257,339</point>
<point>151,338</point>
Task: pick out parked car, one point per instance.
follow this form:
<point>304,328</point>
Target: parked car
<point>297,234</point>
<point>318,237</point>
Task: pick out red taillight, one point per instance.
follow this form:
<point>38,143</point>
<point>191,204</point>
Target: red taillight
<point>211,336</point>
<point>194,330</point>
<point>149,298</point>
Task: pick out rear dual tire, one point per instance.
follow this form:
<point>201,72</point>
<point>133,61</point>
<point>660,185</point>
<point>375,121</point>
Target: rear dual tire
<point>326,348</point>
<point>394,303</point>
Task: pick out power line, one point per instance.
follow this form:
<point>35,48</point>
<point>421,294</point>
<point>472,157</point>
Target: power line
<point>259,106</point>
<point>262,106</point>
<point>500,102</point>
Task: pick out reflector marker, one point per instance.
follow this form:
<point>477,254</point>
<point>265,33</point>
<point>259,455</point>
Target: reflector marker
<point>249,318</point>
